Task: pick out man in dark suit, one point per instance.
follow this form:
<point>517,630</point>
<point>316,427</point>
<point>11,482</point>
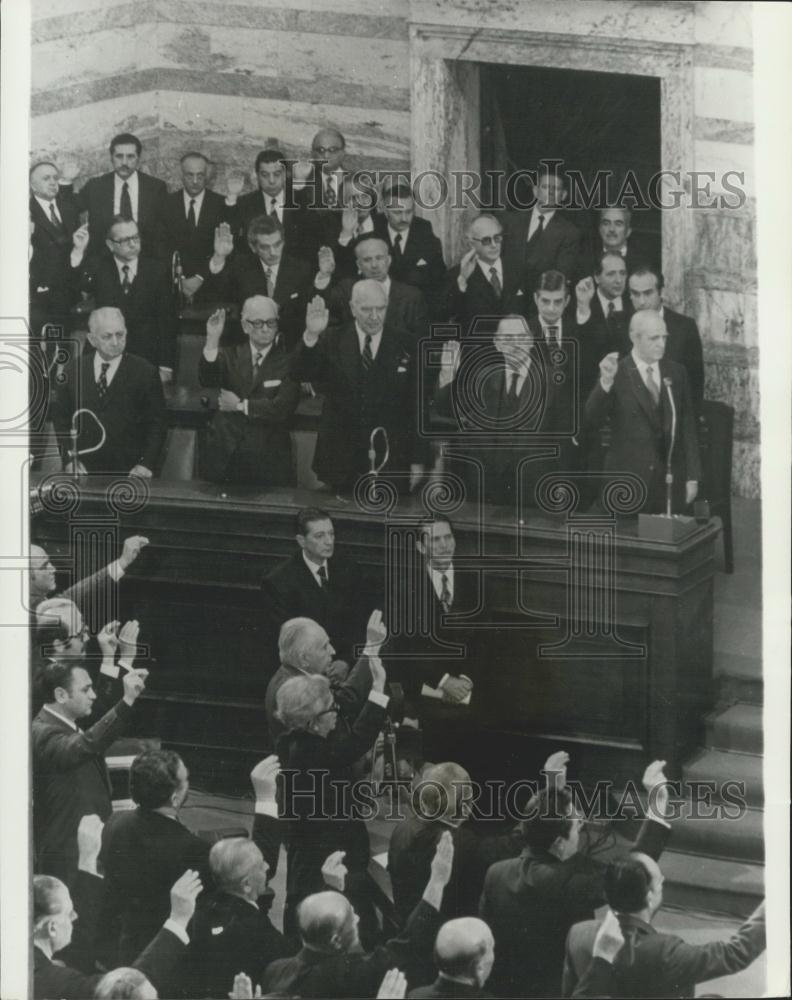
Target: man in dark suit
<point>331,962</point>
<point>56,235</point>
<point>70,779</point>
<point>55,910</point>
<point>248,440</point>
<point>127,192</point>
<point>366,372</point>
<point>320,584</point>
<point>515,416</point>
<point>190,218</point>
<point>124,392</point>
<point>267,271</point>
<point>407,309</point>
<point>140,287</point>
<point>464,952</point>
<point>486,284</point>
<point>614,235</point>
<point>531,901</point>
<point>342,227</point>
<point>603,309</point>
<point>277,197</point>
<point>653,963</point>
<point>648,400</point>
<point>645,285</point>
<point>543,239</point>
<point>416,253</point>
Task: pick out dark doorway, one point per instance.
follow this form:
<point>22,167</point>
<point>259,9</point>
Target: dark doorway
<point>591,121</point>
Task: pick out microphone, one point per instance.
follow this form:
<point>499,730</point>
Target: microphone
<point>669,473</point>
<point>372,451</point>
<point>74,452</point>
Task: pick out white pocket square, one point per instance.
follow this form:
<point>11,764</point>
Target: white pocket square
<point>400,371</point>
<point>294,295</point>
<point>519,291</point>
<point>271,383</point>
<point>420,263</point>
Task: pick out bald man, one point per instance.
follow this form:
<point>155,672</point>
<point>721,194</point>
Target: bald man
<point>646,396</point>
<point>464,954</point>
<point>366,372</point>
<point>328,149</point>
<point>248,440</point>
<point>331,963</point>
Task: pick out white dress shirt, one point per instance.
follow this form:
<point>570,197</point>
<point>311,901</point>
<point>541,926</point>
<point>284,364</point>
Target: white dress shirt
<point>644,366</point>
<point>279,202</point>
<point>198,199</point>
<point>110,371</point>
<point>375,340</point>
<point>522,375</point>
<point>132,184</point>
<point>559,331</point>
<point>534,224</point>
<point>131,264</point>
<point>45,207</point>
<point>486,267</point>
<point>366,226</point>
<point>436,576</point>
<point>617,303</point>
<point>315,569</point>
<point>404,237</point>
<point>273,270</point>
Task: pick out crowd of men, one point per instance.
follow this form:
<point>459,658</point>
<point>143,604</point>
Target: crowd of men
<point>323,282</point>
<point>514,356</point>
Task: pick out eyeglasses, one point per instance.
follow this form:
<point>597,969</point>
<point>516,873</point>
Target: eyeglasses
<point>261,324</point>
<point>324,150</point>
<point>127,241</point>
<point>487,241</point>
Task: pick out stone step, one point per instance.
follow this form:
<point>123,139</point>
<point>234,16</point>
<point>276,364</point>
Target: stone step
<point>722,766</point>
<point>738,727</point>
<point>739,677</point>
<point>711,885</point>
<point>739,839</point>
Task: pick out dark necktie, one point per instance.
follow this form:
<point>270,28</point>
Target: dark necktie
<point>538,231</point>
<point>273,211</point>
<point>445,593</point>
<point>611,310</point>
<point>54,217</point>
<point>367,357</point>
<point>551,332</point>
<point>495,282</point>
<point>268,276</point>
<point>512,393</point>
<point>330,195</point>
<point>397,247</point>
<point>652,385</point>
<point>125,205</point>
<point>101,382</point>
<point>191,214</point>
<point>322,574</point>
<point>259,357</point>
<point>126,284</point>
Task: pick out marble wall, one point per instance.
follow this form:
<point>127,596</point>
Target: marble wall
<point>229,78</point>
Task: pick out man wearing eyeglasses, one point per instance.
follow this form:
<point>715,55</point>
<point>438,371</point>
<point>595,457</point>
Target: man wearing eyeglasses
<point>140,286</point>
<point>485,285</point>
<point>268,271</point>
<point>329,149</point>
<point>248,440</point>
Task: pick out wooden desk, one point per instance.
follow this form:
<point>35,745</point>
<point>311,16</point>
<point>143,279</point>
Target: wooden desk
<point>195,590</point>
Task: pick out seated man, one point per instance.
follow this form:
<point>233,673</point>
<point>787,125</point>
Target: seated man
<point>366,371</point>
<point>70,778</point>
<point>406,306</point>
<point>144,849</point>
<point>268,271</point>
<point>140,286</point>
<point>55,910</point>
<point>531,901</point>
<point>248,440</point>
<point>331,962</point>
<point>416,253</point>
<point>464,952</point>
<point>319,583</point>
<point>656,963</point>
<point>647,399</point>
<point>123,392</point>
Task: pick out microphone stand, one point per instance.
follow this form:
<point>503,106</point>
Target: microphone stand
<point>669,478</point>
<point>74,451</point>
<point>375,469</point>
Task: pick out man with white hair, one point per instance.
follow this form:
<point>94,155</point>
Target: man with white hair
<point>248,440</point>
<point>366,372</point>
<point>464,954</point>
<point>124,394</point>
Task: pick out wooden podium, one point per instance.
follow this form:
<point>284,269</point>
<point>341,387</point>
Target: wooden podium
<point>593,639</point>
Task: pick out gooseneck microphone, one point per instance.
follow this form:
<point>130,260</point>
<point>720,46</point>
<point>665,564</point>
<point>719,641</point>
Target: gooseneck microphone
<point>669,473</point>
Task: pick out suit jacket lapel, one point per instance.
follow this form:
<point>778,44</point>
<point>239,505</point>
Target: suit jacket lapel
<point>642,393</point>
<point>349,354</point>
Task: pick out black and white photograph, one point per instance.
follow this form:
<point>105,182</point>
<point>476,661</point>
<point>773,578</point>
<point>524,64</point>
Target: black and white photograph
<point>395,435</point>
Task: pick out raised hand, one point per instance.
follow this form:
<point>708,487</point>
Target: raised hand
<point>68,168</point>
<point>316,320</point>
<point>656,784</point>
<point>393,986</point>
<point>326,261</point>
<point>183,894</point>
<point>376,632</point>
<point>654,775</point>
<point>134,685</point>
<point>89,840</point>
<point>449,362</point>
<point>214,329</point>
<point>80,239</point>
<point>555,767</point>
<point>443,859</point>
<point>264,777</point>
<point>334,871</point>
<point>132,548</point>
<point>584,293</point>
<point>107,638</point>
<point>234,184</point>
<point>467,265</point>
<point>378,675</point>
<point>301,171</point>
<point>243,988</point>
<point>608,368</point>
<point>349,221</point>
<point>127,640</point>
<point>223,240</point>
